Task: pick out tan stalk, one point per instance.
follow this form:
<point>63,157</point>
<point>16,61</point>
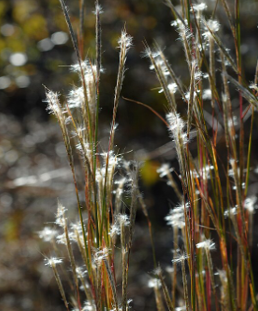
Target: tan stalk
<point>124,278</point>
<point>185,285</point>
<point>166,293</point>
<point>112,283</point>
<point>60,285</point>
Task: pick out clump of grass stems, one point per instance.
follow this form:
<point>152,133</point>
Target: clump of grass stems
<point>103,216</point>
<point>209,204</point>
<point>214,210</point>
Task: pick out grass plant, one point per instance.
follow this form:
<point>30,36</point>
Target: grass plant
<point>215,211</point>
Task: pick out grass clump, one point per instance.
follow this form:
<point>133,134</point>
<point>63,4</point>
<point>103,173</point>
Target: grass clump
<point>215,211</point>
<point>102,215</point>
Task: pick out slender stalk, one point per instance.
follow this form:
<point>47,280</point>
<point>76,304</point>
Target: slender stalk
<point>59,283</point>
<point>185,285</point>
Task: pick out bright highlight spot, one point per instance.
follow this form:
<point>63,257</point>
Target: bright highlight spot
<point>4,82</point>
<point>22,81</point>
<point>18,59</point>
<point>45,45</point>
<point>59,37</point>
<point>7,30</point>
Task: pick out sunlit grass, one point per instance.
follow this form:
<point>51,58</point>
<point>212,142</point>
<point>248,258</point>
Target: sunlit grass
<point>214,210</point>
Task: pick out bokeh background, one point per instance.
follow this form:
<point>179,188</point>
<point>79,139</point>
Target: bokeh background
<point>35,50</point>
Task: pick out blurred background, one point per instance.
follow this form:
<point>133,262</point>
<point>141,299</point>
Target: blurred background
<point>35,50</point>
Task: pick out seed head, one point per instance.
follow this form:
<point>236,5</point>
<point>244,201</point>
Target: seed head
<point>47,234</point>
<point>206,94</point>
<point>199,7</point>
<point>164,170</point>
<point>53,261</point>
<point>254,87</point>
<point>81,272</point>
<point>101,255</point>
<point>154,283</point>
<point>250,204</point>
<point>180,257</point>
<point>125,41</point>
<point>98,9</point>
<point>75,98</point>
<point>123,219</point>
<point>212,26</point>
<point>60,215</point>
<point>206,244</point>
<point>230,212</point>
<point>53,106</point>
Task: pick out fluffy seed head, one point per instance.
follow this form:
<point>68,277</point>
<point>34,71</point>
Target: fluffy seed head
<point>154,283</point>
<point>164,170</point>
<point>230,212</point>
<point>175,121</point>
<point>53,106</point>
<point>212,26</point>
<point>176,127</point>
<point>123,220</point>
<point>172,88</point>
<point>88,306</point>
<point>75,98</point>
<point>250,203</point>
<point>125,41</point>
<point>60,215</point>
<point>81,272</point>
<point>199,7</point>
<point>180,257</point>
<point>47,234</point>
<point>206,244</point>
<point>101,255</point>
<point>98,9</point>
<point>53,261</point>
<point>176,216</point>
<point>206,94</point>
<point>183,30</point>
<point>254,87</point>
